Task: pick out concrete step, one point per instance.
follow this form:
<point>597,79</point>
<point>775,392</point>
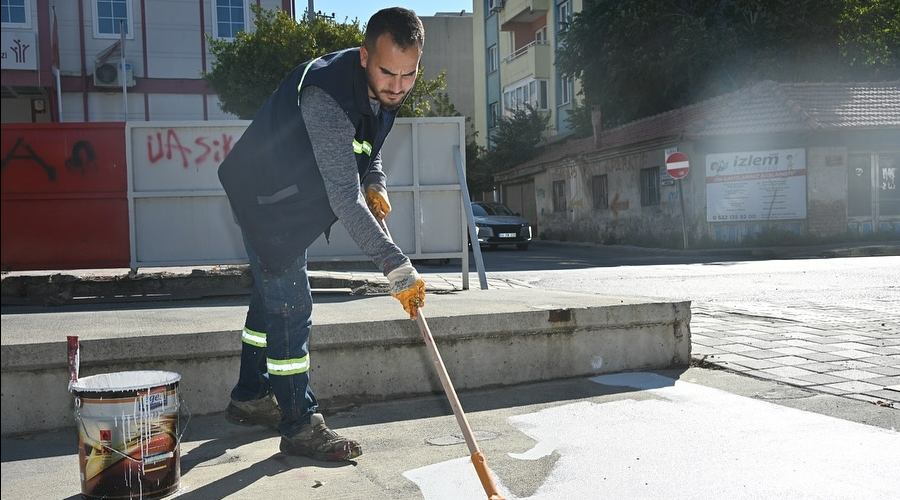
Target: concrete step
<point>363,349</point>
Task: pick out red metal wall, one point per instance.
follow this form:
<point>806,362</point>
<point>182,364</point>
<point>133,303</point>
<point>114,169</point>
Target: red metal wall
<point>64,196</point>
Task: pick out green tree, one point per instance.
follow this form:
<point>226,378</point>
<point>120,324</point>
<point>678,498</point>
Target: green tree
<point>249,68</point>
<point>426,98</point>
<point>870,37</point>
<point>645,57</point>
<point>515,141</point>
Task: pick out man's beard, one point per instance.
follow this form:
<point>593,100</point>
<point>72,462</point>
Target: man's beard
<point>389,106</point>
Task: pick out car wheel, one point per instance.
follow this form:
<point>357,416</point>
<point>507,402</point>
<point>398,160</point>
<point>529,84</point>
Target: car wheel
<point>522,246</point>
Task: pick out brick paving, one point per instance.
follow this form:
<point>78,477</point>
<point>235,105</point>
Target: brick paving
<point>848,350</point>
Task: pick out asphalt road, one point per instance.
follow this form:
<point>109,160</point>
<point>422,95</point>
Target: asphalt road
<point>702,278</point>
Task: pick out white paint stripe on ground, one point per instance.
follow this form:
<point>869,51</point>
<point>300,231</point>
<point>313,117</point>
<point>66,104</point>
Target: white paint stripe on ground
<point>690,442</point>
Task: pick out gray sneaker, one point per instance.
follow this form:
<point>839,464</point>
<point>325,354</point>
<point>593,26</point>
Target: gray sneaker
<point>263,411</point>
<point>317,441</point>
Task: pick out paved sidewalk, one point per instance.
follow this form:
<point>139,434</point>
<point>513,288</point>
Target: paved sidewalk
<point>690,434</point>
<point>852,352</point>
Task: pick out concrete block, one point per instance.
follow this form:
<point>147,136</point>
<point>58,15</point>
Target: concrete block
<point>362,348</point>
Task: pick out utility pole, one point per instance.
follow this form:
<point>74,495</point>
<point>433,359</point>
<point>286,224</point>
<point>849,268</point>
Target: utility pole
<point>122,72</point>
<point>311,10</point>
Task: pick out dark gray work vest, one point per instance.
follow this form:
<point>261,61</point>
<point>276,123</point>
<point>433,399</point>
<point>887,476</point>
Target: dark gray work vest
<point>271,175</point>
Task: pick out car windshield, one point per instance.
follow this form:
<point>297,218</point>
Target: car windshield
<point>478,210</point>
<point>491,209</point>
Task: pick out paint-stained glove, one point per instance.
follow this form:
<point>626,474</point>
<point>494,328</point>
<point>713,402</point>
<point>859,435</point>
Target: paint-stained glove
<point>408,288</point>
<point>377,198</point>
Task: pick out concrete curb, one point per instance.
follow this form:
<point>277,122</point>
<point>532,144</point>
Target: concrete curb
<point>361,350</point>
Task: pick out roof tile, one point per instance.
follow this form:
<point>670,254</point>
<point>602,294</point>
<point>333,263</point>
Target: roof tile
<point>765,107</point>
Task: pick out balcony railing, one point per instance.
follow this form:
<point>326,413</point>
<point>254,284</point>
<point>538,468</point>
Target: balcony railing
<point>521,51</point>
<point>533,59</point>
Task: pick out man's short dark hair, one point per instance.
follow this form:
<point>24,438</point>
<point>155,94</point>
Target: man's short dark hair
<point>403,25</point>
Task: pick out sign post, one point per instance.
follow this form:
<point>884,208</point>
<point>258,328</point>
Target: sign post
<point>678,166</point>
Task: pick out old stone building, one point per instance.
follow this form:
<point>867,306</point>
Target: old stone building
<point>815,159</point>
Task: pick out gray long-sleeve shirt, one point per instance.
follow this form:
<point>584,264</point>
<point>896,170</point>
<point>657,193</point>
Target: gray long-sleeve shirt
<point>331,135</point>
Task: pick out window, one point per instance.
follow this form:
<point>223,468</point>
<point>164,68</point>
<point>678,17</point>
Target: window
<point>565,90</point>
<point>888,194</point>
<point>862,195</point>
<point>600,191</point>
<point>649,186</point>
<point>493,59</point>
<point>231,18</point>
<point>16,13</point>
<point>559,196</point>
<point>495,115</point>
<point>109,16</point>
<point>859,185</point>
<point>564,16</point>
<point>541,34</point>
<point>532,93</point>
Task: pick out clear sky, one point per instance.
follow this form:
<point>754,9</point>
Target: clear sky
<point>363,9</point>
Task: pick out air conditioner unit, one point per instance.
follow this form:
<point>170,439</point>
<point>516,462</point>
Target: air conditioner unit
<point>109,74</point>
<point>495,5</point>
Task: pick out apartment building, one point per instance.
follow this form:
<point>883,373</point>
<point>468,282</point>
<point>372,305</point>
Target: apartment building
<point>516,63</point>
<point>141,60</point>
<point>449,48</point>
<point>115,60</point>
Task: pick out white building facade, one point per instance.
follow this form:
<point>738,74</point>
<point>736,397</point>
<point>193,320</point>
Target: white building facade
<point>165,51</point>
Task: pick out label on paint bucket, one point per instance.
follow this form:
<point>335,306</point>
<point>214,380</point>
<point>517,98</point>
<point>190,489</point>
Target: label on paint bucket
<point>128,434</point>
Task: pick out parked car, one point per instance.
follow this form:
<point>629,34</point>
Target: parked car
<point>498,225</point>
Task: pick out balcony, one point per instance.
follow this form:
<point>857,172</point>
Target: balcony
<point>532,60</point>
<point>517,12</point>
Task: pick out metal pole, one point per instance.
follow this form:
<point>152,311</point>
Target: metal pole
<point>123,73</point>
<point>683,225</point>
<point>470,225</point>
<point>311,10</point>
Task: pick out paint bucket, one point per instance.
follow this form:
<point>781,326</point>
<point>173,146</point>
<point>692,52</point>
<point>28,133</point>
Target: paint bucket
<point>128,435</point>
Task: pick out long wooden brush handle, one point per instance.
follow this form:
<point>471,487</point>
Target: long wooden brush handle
<point>478,460</point>
<point>448,385</point>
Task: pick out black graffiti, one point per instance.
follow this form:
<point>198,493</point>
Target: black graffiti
<point>32,155</point>
<point>83,157</point>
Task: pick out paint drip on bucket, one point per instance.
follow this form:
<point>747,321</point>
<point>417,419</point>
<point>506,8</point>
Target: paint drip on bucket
<point>128,434</point>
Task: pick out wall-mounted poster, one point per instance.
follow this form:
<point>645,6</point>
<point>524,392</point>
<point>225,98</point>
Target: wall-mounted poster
<point>756,186</point>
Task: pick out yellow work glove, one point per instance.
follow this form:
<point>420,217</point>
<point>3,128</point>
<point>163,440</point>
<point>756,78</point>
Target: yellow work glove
<point>408,288</point>
<point>377,199</point>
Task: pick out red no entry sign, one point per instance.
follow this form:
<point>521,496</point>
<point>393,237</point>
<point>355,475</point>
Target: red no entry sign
<point>677,165</point>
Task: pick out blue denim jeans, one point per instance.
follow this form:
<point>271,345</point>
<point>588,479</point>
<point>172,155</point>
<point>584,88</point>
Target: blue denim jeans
<point>275,342</point>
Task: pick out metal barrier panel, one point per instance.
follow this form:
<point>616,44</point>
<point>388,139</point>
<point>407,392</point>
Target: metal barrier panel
<point>64,203</point>
<point>427,219</point>
<point>180,215</point>
<point>179,212</point>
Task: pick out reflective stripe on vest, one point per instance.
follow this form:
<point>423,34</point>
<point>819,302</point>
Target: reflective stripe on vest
<point>257,339</point>
<point>358,147</point>
<point>287,366</point>
<point>362,147</point>
<point>302,77</point>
